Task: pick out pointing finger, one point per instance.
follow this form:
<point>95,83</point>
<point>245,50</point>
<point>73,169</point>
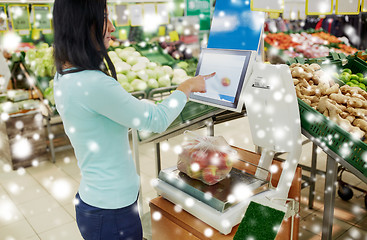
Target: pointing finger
<point>209,75</point>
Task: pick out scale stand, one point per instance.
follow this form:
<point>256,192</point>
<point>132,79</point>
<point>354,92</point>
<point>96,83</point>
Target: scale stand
<point>273,113</point>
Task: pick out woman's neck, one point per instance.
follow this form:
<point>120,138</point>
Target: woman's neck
<point>66,65</point>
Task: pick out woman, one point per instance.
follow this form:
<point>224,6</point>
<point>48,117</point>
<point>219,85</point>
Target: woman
<point>97,113</point>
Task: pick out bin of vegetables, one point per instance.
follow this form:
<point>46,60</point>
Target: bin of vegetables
<point>137,73</point>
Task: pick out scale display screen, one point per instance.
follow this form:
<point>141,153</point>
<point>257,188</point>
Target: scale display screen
<point>225,88</point>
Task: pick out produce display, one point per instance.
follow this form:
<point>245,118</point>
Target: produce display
<point>362,55</point>
<point>353,80</point>
<point>280,40</point>
<point>138,73</point>
<point>314,45</point>
<point>346,106</point>
<point>177,50</point>
<point>40,60</point>
<point>208,159</point>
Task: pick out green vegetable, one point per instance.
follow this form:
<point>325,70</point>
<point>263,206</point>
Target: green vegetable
<point>360,75</point>
<point>139,85</point>
<point>151,73</point>
<point>354,77</point>
<point>185,65</point>
<point>164,81</point>
<point>361,85</point>
<point>347,70</point>
<point>354,82</point>
<point>122,67</point>
<point>152,83</point>
<point>122,78</point>
<point>143,75</point>
<point>127,87</point>
<point>131,76</point>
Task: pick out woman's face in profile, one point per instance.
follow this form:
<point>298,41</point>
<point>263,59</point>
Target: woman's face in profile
<point>110,29</point>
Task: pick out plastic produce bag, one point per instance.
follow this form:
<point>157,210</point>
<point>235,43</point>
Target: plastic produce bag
<point>208,159</point>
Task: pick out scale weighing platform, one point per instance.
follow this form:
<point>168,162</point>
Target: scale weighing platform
<point>218,195</point>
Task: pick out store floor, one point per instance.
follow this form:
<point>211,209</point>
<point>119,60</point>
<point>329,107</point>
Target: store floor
<point>37,202</point>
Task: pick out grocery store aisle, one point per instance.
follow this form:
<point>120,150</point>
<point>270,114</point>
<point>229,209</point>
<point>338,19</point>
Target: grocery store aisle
<point>37,203</point>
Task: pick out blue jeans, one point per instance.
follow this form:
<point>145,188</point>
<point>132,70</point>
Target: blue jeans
<point>108,224</point>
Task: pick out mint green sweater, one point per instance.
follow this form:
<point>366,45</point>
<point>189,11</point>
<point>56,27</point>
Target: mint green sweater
<point>97,113</point>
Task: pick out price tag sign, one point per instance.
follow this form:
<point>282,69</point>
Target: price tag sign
<point>274,15</point>
<point>151,19</point>
<point>162,31</point>
<point>122,15</point>
<point>136,14</point>
<point>350,7</point>
<point>319,7</point>
<point>3,19</point>
<point>19,16</point>
<point>174,36</point>
<point>202,9</point>
<point>364,6</point>
<point>42,17</point>
<point>267,6</point>
<point>162,11</point>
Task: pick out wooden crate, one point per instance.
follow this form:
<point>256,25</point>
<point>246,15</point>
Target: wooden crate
<point>26,139</point>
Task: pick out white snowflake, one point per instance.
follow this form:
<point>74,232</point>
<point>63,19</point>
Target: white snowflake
<point>156,216</point>
<point>61,189</point>
<point>165,146</point>
<point>22,148</point>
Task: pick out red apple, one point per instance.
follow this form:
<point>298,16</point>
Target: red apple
<point>201,158</point>
<point>226,81</point>
<point>210,175</point>
<point>224,162</point>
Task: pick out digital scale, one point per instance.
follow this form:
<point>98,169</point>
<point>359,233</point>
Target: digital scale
<point>235,42</point>
<point>272,109</point>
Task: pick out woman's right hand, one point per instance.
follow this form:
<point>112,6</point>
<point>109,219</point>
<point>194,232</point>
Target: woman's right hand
<point>195,84</point>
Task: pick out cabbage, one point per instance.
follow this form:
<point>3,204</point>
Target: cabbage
<point>139,85</point>
<point>164,81</point>
<point>122,67</point>
<point>136,54</point>
<point>121,78</point>
<point>152,65</point>
<point>168,70</point>
<point>179,79</point>
<point>115,60</point>
<point>143,75</point>
<point>124,55</point>
<point>131,49</point>
<point>151,73</point>
<point>143,59</point>
<point>160,72</point>
<point>183,65</point>
<point>152,83</point>
<point>127,86</point>
<point>112,54</point>
<point>118,50</point>
<point>131,76</point>
<point>179,72</point>
<point>139,66</point>
<point>132,60</point>
<point>41,70</point>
